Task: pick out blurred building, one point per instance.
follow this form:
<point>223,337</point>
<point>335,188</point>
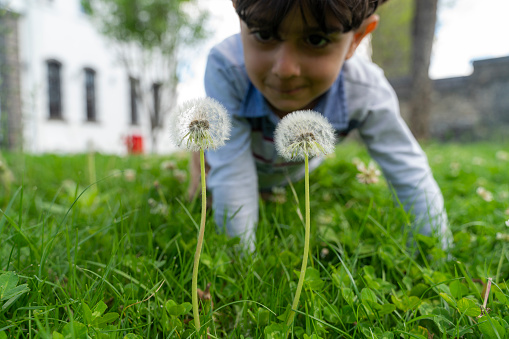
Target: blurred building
<point>63,88</point>
<point>467,108</point>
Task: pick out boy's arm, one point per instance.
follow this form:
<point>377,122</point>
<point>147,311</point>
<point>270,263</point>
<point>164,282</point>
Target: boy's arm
<point>232,178</point>
<point>403,162</point>
<point>234,185</point>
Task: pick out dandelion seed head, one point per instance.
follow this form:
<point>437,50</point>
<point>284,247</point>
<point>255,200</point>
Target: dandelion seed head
<point>151,202</point>
<point>477,161</point>
<point>368,175</point>
<point>180,175</point>
<point>455,165</point>
<point>168,165</point>
<point>199,124</point>
<point>278,195</point>
<point>502,155</point>
<point>502,236</point>
<point>304,132</point>
<point>130,175</point>
<point>484,194</point>
<point>356,161</point>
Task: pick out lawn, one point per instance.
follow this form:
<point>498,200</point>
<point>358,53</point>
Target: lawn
<point>102,247</point>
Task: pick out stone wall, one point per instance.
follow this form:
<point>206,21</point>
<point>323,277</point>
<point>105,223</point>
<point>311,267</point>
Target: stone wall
<point>467,108</point>
<point>10,96</point>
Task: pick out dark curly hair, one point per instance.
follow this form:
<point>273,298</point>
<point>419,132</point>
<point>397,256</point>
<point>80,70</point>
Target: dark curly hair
<point>270,13</point>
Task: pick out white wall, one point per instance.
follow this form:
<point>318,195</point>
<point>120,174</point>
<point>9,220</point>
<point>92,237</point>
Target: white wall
<point>57,29</point>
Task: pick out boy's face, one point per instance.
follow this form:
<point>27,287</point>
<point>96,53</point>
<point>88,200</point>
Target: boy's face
<point>293,69</point>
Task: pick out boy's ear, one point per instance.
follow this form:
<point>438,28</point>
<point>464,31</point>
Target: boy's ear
<point>368,25</point>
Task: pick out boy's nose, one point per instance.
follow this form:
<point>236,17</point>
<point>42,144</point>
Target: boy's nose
<point>286,63</point>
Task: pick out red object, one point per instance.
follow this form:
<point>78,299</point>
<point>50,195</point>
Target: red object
<point>134,144</point>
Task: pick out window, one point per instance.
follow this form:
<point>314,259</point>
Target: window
<point>54,89</point>
<point>133,87</point>
<point>156,91</point>
<point>90,94</point>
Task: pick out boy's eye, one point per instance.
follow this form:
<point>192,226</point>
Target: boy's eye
<point>263,36</point>
<point>316,40</point>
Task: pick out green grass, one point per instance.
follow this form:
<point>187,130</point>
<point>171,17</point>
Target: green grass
<point>113,258</point>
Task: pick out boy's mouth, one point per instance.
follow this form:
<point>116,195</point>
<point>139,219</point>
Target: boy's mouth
<point>286,90</point>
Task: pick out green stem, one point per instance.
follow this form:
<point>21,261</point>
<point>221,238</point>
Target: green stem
<point>91,170</point>
<point>306,246</point>
<point>199,244</point>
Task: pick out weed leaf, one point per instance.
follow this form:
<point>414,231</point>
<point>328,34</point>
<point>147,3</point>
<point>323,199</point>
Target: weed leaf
<point>457,289</point>
<point>386,309</point>
<point>491,328</point>
<point>75,330</point>
<point>87,314</point>
<point>418,290</point>
<point>99,309</point>
<point>448,298</point>
<point>502,298</point>
<point>348,295</point>
<point>405,303</point>
<point>8,289</point>
<point>105,319</point>
<point>177,310</point>
<point>312,279</point>
<point>468,307</point>
<point>275,331</point>
<point>8,281</point>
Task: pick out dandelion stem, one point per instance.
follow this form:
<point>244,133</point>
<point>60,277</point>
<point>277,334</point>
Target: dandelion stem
<point>306,243</point>
<point>199,244</point>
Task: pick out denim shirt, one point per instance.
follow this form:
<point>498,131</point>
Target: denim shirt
<point>360,98</point>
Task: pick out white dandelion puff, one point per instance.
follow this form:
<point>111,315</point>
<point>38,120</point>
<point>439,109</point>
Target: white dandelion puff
<point>168,165</point>
<point>357,162</point>
<point>130,175</point>
<point>180,175</point>
<point>278,195</point>
<point>477,161</point>
<point>301,135</point>
<point>502,155</point>
<point>484,193</point>
<point>200,124</point>
<point>368,175</point>
<point>304,132</point>
<point>502,236</point>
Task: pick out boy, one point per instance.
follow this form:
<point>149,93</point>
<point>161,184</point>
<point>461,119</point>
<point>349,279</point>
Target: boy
<point>299,54</point>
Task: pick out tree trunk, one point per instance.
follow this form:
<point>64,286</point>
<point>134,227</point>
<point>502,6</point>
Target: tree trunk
<point>423,32</point>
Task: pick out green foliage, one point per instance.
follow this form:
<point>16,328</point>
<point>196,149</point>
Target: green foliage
<point>151,24</point>
<point>114,259</point>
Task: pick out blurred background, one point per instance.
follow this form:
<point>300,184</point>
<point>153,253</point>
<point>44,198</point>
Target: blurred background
<point>102,75</point>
